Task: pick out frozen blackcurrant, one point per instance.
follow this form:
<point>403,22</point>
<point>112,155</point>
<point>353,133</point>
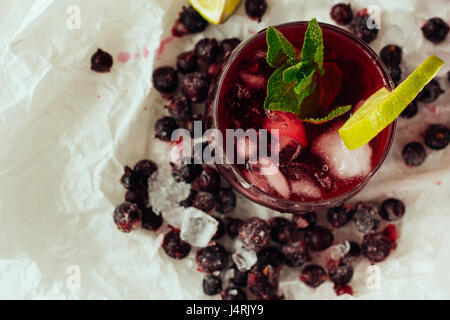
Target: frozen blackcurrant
<point>435,30</point>
<point>164,128</point>
<point>430,92</point>
<point>209,180</point>
<point>437,136</point>
<point>165,79</point>
<point>341,13</point>
<point>376,247</point>
<point>228,45</point>
<point>212,285</point>
<point>255,9</point>
<point>396,74</point>
<point>313,276</point>
<point>353,254</point>
<point>187,62</point>
<point>280,229</point>
<point>295,253</point>
<point>180,109</point>
<point>233,227</point>
<point>238,278</point>
<point>220,229</point>
<point>340,273</point>
<point>150,220</point>
<point>255,234</point>
<point>359,27</point>
<point>234,294</point>
<point>226,200</point>
<point>270,255</point>
<point>410,111</point>
<point>366,218</point>
<point>213,69</point>
<point>204,201</point>
<point>190,21</point>
<point>207,49</point>
<point>212,258</point>
<point>414,154</point>
<point>318,238</point>
<point>339,216</point>
<point>185,172</point>
<point>195,87</point>
<point>391,55</point>
<point>145,168</point>
<point>188,201</point>
<point>392,209</point>
<point>101,61</point>
<point>175,247</point>
<point>138,196</point>
<point>127,217</point>
<point>305,220</point>
<point>263,281</point>
<point>134,180</point>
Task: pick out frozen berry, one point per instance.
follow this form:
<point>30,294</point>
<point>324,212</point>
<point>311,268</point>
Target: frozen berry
<point>295,253</point>
<point>345,289</point>
<point>187,62</point>
<point>391,55</point>
<point>263,281</point>
<point>188,201</point>
<point>233,293</point>
<point>185,172</point>
<point>213,69</point>
<point>391,233</point>
<point>437,136</point>
<point>145,168</point>
<point>212,285</point>
<point>359,27</point>
<point>233,227</point>
<point>220,229</point>
<point>101,61</point>
<point>313,275</point>
<point>226,200</point>
<point>353,254</point>
<point>195,87</point>
<point>318,238</point>
<point>190,21</point>
<point>392,209</point>
<point>435,30</point>
<point>270,255</point>
<point>341,13</point>
<point>255,234</point>
<point>339,216</point>
<point>280,229</point>
<point>430,92</point>
<point>209,180</point>
<point>165,79</point>
<point>376,247</point>
<point>150,220</point>
<point>138,196</point>
<point>340,273</point>
<point>228,45</point>
<point>212,258</point>
<point>127,217</point>
<point>180,109</point>
<point>174,246</point>
<point>134,180</point>
<point>410,111</point>
<point>164,128</point>
<point>204,201</point>
<point>207,50</point>
<point>255,9</point>
<point>237,277</point>
<point>305,220</point>
<point>366,218</point>
<point>414,154</point>
<point>396,73</point>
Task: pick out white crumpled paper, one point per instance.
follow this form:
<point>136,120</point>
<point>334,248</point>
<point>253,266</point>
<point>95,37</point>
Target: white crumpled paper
<point>66,133</point>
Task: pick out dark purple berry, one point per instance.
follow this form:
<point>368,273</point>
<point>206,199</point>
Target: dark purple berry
<point>435,30</point>
<point>212,258</point>
<point>341,13</point>
<point>180,109</point>
<point>233,227</point>
<point>101,61</point>
<point>212,285</point>
<point>238,278</point>
<point>150,220</point>
<point>187,62</point>
<point>318,238</point>
<point>165,79</point>
<point>359,28</point>
<point>185,172</point>
<point>194,22</point>
<point>270,255</point>
<point>127,178</point>
<point>414,154</point>
<point>207,50</point>
<point>255,9</point>
<point>164,128</point>
<point>209,180</point>
<point>127,217</point>
<point>430,92</point>
<point>226,200</point>
<point>353,253</point>
<point>437,136</point>
<point>145,168</point>
<point>339,216</point>
<point>138,196</point>
<point>376,247</point>
<point>195,87</point>
<point>220,229</point>
<point>396,74</point>
<point>391,55</point>
<point>174,246</point>
<point>340,273</point>
<point>233,293</point>
<point>204,201</point>
<point>392,209</point>
<point>410,111</point>
<point>305,220</point>
<point>263,281</point>
<point>255,234</point>
<point>228,45</point>
<point>280,229</point>
<point>188,201</point>
<point>295,253</point>
<point>213,69</point>
<point>366,218</point>
<point>313,275</point>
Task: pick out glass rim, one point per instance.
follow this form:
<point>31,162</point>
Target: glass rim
<point>292,205</point>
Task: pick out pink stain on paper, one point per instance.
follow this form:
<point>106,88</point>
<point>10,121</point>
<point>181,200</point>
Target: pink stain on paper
<point>126,56</point>
<point>438,183</point>
<point>162,46</point>
<point>251,31</point>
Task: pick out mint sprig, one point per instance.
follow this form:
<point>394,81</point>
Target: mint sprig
<point>295,85</point>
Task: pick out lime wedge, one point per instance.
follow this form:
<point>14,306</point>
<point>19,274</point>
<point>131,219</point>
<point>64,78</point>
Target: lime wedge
<point>215,11</point>
<point>382,107</point>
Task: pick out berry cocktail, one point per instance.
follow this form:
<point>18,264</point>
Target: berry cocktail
<point>315,170</point>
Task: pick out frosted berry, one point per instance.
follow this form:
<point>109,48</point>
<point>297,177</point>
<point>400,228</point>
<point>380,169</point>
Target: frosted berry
<point>207,49</point>
<point>212,285</point>
<point>228,45</point>
<point>150,220</point>
<point>340,273</point>
<point>127,217</point>
<point>205,202</point>
<point>410,111</point>
<point>391,55</point>
<point>270,255</point>
<point>305,220</point>
<point>263,281</point>
<point>180,109</point>
<point>392,209</point>
<point>195,87</point>
<point>295,253</point>
<point>164,127</point>
<point>359,28</point>
<point>313,276</point>
<point>366,218</point>
<point>339,216</point>
<point>414,154</point>
<point>165,79</point>
<point>134,180</point>
<point>437,136</point>
<point>138,196</point>
<point>175,247</point>
<point>101,61</point>
<point>376,247</point>
<point>341,13</point>
<point>318,238</point>
<point>226,200</point>
<point>255,234</point>
<point>255,9</point>
<point>280,229</point>
<point>238,278</point>
<point>185,172</point>
<point>353,254</point>
<point>190,21</point>
<point>145,168</point>
<point>212,258</point>
<point>435,30</point>
<point>188,201</point>
<point>209,180</point>
<point>396,74</point>
<point>233,227</point>
<point>187,62</point>
<point>430,92</point>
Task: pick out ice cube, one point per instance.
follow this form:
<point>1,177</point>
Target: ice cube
<point>243,259</point>
<point>289,150</point>
<point>343,163</point>
<point>246,148</point>
<point>197,227</point>
<point>267,176</point>
<point>254,81</point>
<point>306,188</point>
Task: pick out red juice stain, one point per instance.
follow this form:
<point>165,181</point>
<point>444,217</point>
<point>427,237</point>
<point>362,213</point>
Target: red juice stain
<point>432,109</point>
<point>146,53</point>
<point>162,46</point>
<point>124,57</point>
<point>145,108</point>
<point>251,31</point>
<point>438,183</point>
<point>98,96</point>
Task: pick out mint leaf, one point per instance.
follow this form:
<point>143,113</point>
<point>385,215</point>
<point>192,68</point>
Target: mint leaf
<point>312,50</point>
<point>337,112</point>
<point>281,95</point>
<point>280,50</point>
